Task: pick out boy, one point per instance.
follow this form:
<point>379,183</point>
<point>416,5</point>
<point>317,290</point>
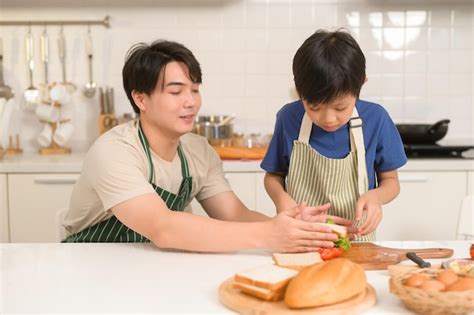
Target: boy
<point>331,147</point>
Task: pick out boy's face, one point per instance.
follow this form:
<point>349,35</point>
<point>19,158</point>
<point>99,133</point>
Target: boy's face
<point>174,103</point>
<point>333,115</point>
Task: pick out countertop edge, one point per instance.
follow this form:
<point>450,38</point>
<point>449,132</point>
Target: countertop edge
<point>72,164</point>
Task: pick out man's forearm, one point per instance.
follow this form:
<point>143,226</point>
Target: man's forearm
<point>195,233</point>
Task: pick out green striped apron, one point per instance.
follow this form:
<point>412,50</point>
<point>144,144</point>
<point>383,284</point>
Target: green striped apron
<point>112,230</point>
<point>317,180</point>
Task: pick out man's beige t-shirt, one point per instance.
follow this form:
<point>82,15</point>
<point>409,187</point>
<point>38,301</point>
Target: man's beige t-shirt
<point>116,169</point>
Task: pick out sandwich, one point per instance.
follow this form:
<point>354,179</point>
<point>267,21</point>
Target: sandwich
<point>326,283</point>
<point>267,282</point>
<point>341,231</point>
<point>296,261</point>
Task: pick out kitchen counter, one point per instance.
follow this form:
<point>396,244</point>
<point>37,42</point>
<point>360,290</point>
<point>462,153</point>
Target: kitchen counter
<point>121,278</point>
<point>34,163</point>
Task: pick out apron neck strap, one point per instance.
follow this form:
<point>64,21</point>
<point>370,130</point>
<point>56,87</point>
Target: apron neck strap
<point>146,148</point>
<point>357,143</point>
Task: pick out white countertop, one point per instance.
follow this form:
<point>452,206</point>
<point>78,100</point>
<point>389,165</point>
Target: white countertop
<point>35,163</point>
<point>121,278</point>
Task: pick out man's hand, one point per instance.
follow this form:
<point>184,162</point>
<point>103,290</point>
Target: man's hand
<point>285,233</point>
<point>369,203</point>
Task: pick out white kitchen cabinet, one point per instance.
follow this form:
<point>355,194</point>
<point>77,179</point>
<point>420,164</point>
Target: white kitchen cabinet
<point>426,209</point>
<point>33,202</point>
<point>248,186</point>
<point>243,185</point>
<point>4,235</point>
<point>470,183</point>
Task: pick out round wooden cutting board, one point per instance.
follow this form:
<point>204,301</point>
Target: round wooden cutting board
<point>247,304</point>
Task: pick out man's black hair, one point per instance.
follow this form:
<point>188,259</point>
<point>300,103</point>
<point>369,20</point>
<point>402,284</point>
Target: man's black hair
<point>145,62</point>
<point>328,65</point>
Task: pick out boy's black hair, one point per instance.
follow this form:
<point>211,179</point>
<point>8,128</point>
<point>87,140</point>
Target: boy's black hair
<point>145,62</point>
<point>328,65</point>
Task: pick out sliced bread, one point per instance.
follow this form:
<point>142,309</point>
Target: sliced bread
<point>340,230</point>
<point>296,261</point>
<point>268,276</point>
<point>261,293</point>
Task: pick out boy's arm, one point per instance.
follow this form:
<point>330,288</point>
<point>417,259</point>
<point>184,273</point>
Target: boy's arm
<point>275,187</point>
<point>387,190</point>
<point>149,216</point>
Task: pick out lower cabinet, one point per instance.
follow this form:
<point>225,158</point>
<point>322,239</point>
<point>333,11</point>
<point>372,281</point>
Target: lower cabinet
<point>4,232</point>
<point>427,208</point>
<point>248,186</point>
<point>34,200</point>
<point>470,183</point>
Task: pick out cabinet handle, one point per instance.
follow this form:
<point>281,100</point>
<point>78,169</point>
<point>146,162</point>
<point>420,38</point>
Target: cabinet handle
<point>55,181</point>
<point>413,179</point>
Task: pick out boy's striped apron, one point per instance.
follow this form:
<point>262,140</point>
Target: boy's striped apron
<point>317,180</point>
<point>112,230</point>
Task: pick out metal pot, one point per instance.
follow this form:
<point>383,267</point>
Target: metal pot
<point>214,127</point>
<point>423,133</point>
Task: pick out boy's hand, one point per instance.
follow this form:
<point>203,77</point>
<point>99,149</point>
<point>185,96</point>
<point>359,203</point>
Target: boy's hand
<point>368,202</point>
<point>319,214</point>
<point>312,214</point>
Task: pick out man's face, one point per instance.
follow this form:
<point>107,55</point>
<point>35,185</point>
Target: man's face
<point>333,115</point>
<point>175,102</point>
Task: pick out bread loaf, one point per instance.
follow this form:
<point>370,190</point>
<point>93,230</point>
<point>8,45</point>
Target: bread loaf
<point>326,283</point>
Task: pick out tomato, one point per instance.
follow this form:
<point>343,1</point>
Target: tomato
<point>330,253</point>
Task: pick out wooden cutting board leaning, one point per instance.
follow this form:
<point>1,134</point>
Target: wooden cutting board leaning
<point>240,153</point>
<point>245,304</point>
<point>375,257</point>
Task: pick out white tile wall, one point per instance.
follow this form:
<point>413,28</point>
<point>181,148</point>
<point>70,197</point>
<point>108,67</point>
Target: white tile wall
<point>420,54</point>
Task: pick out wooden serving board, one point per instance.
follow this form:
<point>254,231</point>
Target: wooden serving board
<point>247,304</point>
<point>375,257</point>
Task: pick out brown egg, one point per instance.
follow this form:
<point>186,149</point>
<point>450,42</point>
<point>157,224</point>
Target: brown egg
<point>462,284</point>
<point>447,277</point>
<point>433,285</point>
<point>415,281</point>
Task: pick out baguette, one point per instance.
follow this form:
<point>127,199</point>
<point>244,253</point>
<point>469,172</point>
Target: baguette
<point>326,283</point>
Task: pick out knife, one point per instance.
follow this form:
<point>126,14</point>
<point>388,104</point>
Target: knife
<point>418,260</point>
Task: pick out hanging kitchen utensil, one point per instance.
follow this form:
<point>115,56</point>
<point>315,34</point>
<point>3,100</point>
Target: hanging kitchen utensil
<point>423,133</point>
<point>6,92</point>
<point>225,121</point>
<point>44,42</point>
<point>70,87</point>
<point>31,94</point>
<point>90,87</point>
<point>109,96</point>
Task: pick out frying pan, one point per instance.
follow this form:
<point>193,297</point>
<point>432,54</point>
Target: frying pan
<point>423,133</point>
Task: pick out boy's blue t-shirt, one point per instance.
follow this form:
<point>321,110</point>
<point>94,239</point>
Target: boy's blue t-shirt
<point>383,146</point>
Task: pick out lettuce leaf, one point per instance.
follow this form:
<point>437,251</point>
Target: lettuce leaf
<point>343,242</point>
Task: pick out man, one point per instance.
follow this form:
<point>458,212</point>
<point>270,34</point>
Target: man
<point>137,172</point>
